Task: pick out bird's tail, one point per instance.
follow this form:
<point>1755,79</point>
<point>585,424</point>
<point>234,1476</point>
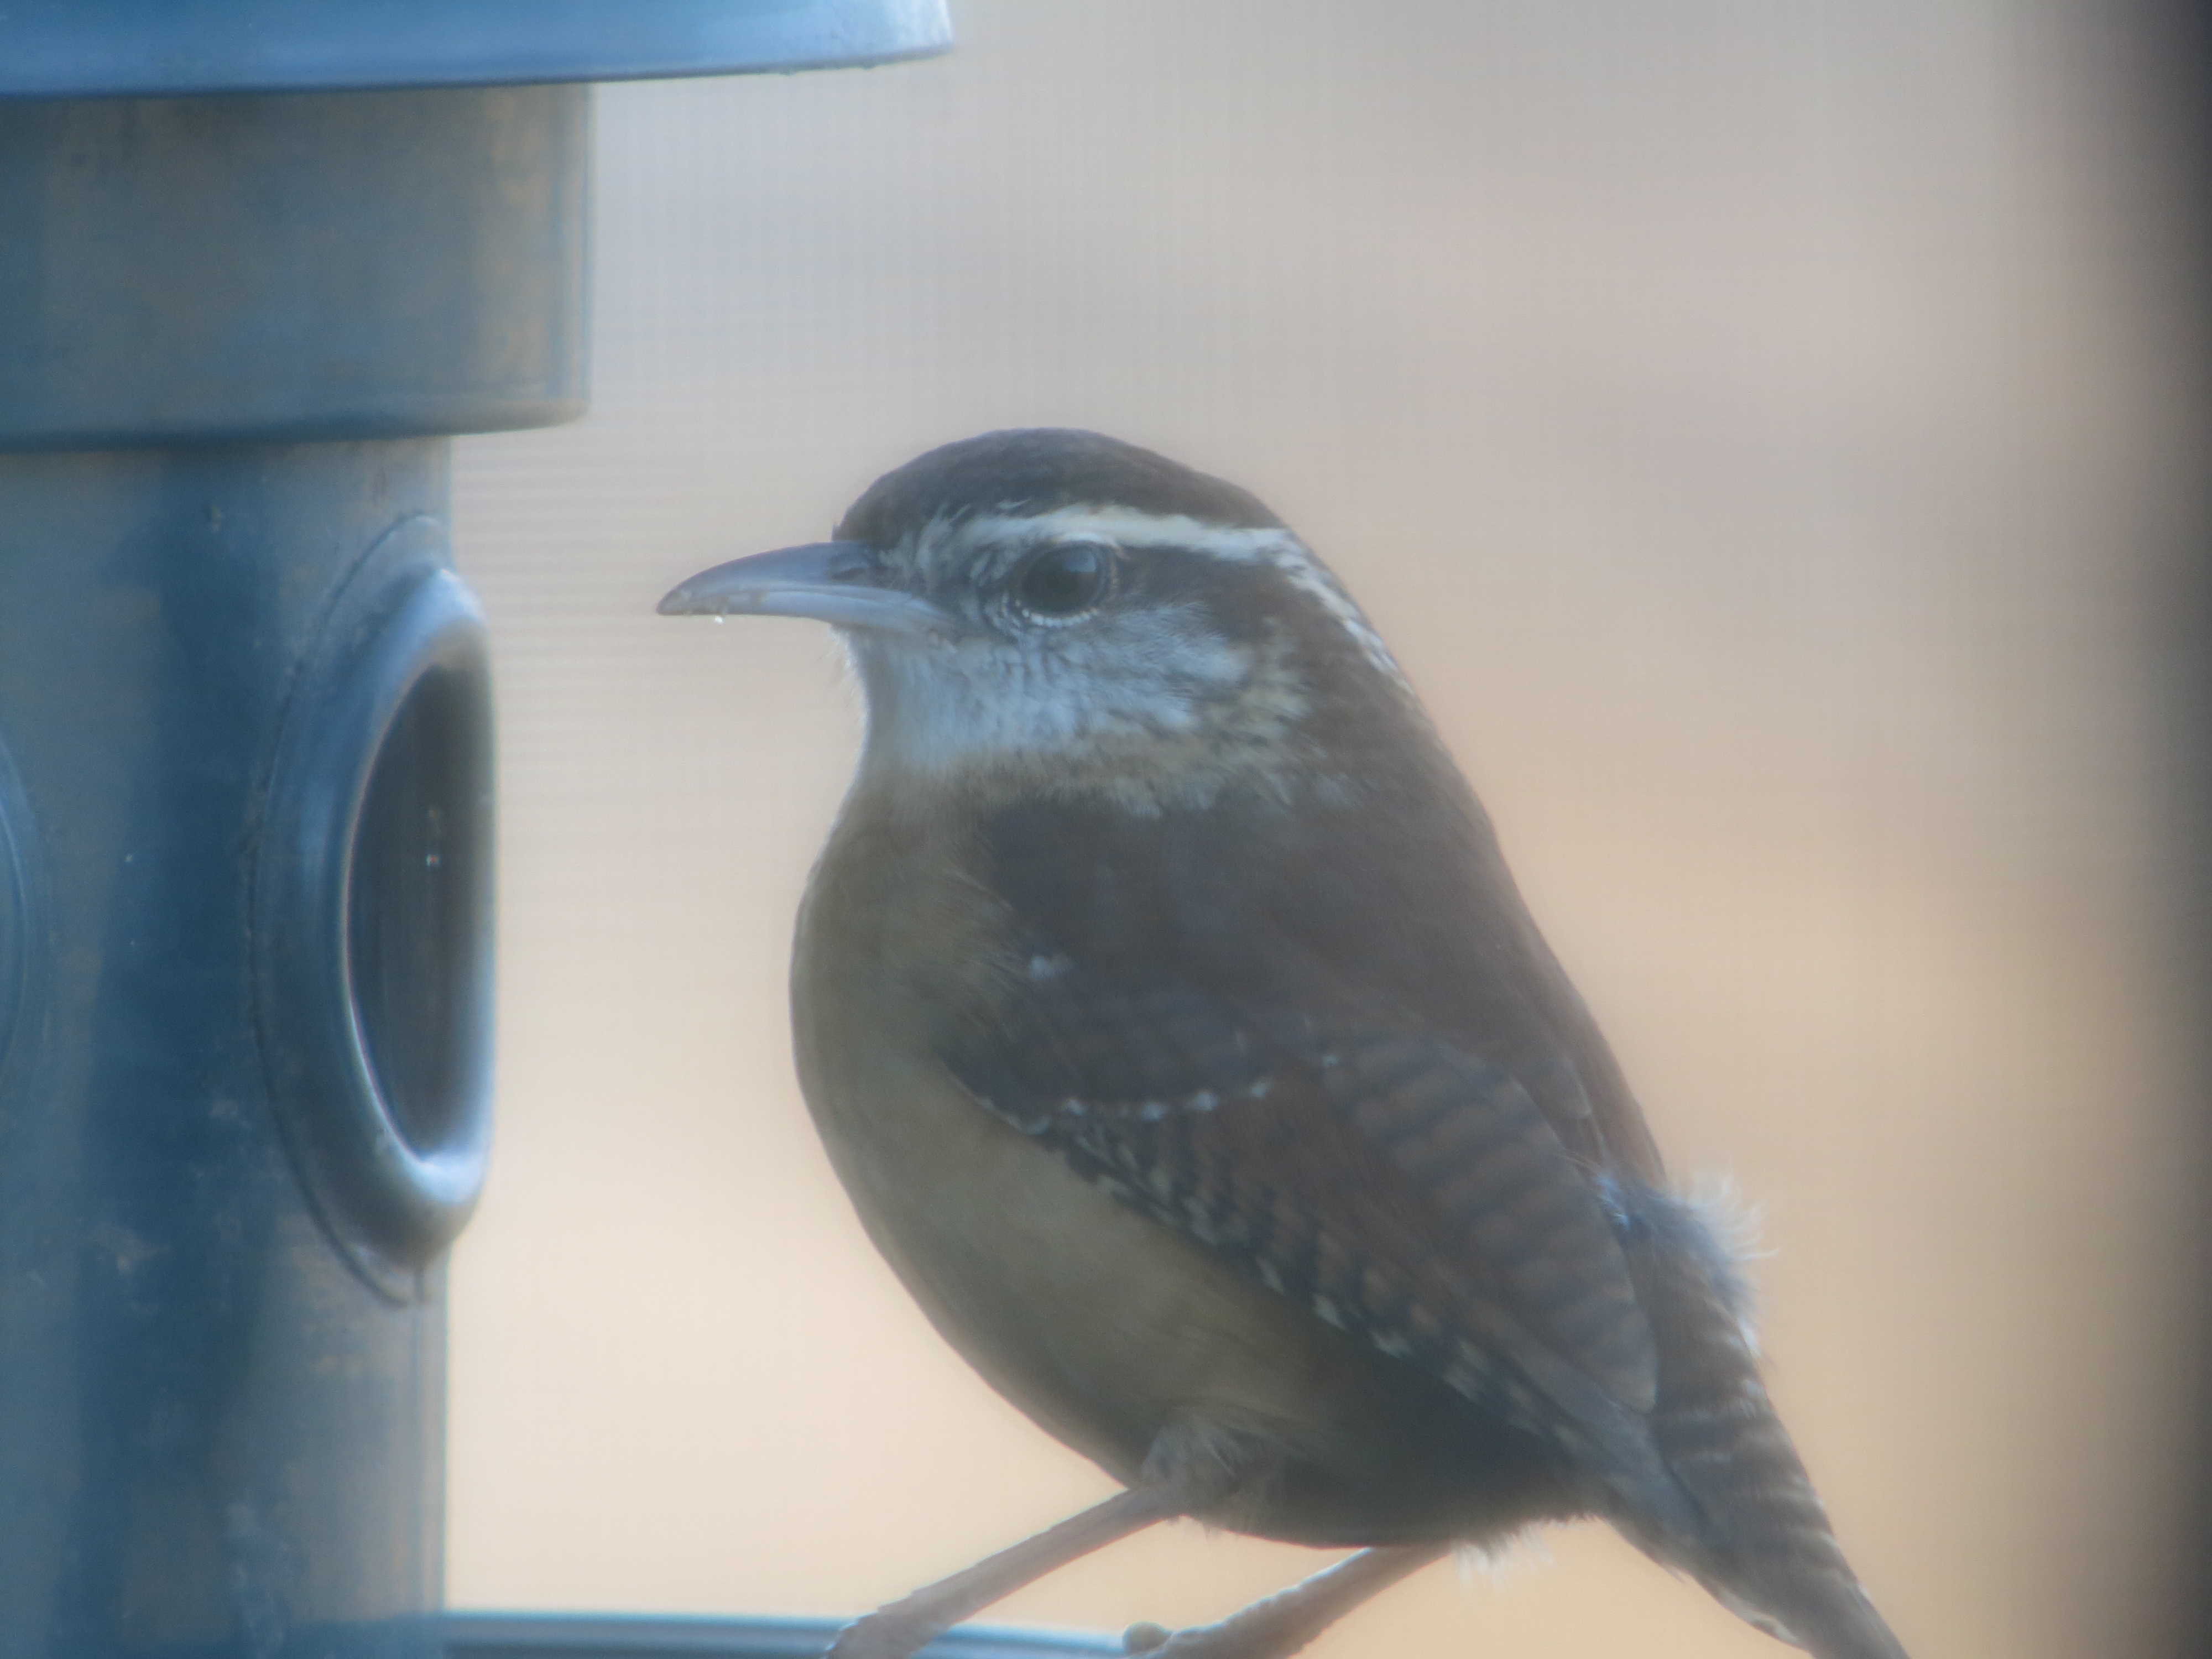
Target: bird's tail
<point>1767,1550</point>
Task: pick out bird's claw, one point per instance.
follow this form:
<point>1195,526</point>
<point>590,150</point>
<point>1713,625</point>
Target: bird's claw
<point>879,1636</point>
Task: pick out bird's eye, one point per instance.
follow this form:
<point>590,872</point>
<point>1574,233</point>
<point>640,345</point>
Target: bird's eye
<point>1065,579</point>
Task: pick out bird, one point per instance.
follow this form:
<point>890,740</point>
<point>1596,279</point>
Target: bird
<point>1171,1018</point>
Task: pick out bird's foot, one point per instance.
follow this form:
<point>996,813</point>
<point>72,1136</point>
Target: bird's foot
<point>1285,1623</point>
<point>883,1635</point>
<point>1232,1638</point>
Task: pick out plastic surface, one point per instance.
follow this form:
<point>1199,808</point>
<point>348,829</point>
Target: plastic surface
<point>544,1635</point>
<point>245,766</point>
<point>267,269</point>
<point>98,48</point>
<point>22,929</point>
<point>222,1437</point>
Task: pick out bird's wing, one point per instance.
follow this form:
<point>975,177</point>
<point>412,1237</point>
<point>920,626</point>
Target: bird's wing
<point>1329,1046</point>
<point>1396,1186</point>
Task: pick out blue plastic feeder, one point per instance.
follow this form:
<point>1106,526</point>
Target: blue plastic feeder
<point>259,260</point>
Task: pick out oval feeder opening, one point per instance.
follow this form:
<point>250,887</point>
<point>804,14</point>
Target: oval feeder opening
<point>373,914</point>
<point>418,891</point>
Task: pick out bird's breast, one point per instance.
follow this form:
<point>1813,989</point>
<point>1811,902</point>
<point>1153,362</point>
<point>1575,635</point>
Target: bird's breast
<point>1096,1322</point>
<point>1102,1325</point>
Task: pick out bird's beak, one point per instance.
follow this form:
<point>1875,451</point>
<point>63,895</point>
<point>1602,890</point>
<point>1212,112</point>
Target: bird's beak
<point>835,582</point>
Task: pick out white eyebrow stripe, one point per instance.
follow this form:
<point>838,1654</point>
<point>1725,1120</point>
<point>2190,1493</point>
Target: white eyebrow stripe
<point>1311,577</point>
<point>1127,526</point>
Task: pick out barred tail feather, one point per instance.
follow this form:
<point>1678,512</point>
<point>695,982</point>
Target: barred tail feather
<point>1765,1549</point>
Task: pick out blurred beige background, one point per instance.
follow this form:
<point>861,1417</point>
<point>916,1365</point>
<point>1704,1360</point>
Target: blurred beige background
<point>1755,426</point>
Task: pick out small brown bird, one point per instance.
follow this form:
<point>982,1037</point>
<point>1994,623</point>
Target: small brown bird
<point>1173,1021</point>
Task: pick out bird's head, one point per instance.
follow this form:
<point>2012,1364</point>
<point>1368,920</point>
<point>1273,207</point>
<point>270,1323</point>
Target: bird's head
<point>1057,609</point>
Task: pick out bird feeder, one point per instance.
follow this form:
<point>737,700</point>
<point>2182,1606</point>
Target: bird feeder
<point>259,261</point>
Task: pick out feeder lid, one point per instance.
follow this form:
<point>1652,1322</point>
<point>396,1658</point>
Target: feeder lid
<point>153,48</point>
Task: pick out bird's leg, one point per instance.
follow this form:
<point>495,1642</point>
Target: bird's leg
<point>897,1629</point>
<point>1287,1620</point>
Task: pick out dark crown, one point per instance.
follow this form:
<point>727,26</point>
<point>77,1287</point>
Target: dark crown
<point>1041,470</point>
